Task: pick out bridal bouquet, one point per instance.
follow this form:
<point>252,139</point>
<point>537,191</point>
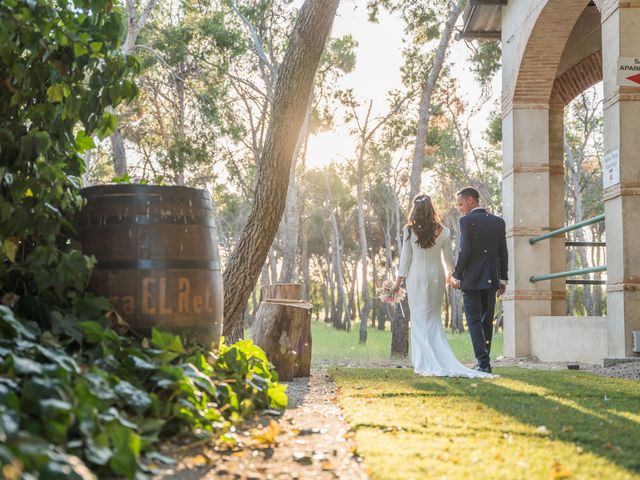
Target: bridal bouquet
<point>388,295</point>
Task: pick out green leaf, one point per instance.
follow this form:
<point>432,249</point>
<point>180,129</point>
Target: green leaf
<point>63,360</point>
<point>166,341</point>
<point>25,366</point>
<point>96,454</point>
<point>9,249</point>
<point>133,397</point>
<point>66,325</point>
<point>93,331</point>
<point>41,142</point>
<point>57,416</point>
<point>277,395</point>
<point>126,445</point>
<point>95,46</point>
<point>79,50</point>
<point>55,93</point>
<point>84,142</point>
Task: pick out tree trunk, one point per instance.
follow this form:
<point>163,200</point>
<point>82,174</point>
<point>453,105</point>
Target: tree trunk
<point>290,226</point>
<point>273,265</point>
<point>424,111</point>
<point>457,319</point>
<point>364,254</point>
<point>304,266</point>
<point>447,306</point>
<point>236,333</point>
<point>279,291</point>
<point>400,332</point>
<point>338,272</point>
<point>571,256</point>
<point>597,289</point>
<point>576,173</point>
<point>134,26</point>
<point>293,88</point>
<point>282,330</point>
<point>331,292</point>
<point>119,153</point>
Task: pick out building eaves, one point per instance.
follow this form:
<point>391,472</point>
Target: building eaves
<point>483,19</point>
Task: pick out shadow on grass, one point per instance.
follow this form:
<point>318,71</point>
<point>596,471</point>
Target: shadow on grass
<point>591,412</point>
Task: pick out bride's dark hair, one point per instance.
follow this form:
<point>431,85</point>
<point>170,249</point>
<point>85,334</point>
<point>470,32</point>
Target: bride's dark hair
<point>423,220</point>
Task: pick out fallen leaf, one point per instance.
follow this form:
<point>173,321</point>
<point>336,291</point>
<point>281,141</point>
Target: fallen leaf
<point>327,466</point>
<point>612,447</point>
<point>198,460</point>
<point>558,471</point>
<point>268,434</point>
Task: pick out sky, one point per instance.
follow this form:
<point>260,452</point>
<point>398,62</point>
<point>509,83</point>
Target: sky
<point>378,63</point>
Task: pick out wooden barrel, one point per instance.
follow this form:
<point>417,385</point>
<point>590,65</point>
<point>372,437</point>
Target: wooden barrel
<point>157,255</point>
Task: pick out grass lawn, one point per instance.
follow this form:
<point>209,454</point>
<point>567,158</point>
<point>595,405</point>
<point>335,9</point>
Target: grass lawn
<point>334,345</point>
<point>528,424</point>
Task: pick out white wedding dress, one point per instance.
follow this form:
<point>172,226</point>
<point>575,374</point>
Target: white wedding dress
<point>431,354</point>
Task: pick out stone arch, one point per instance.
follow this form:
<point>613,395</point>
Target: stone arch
<point>577,79</point>
<point>542,52</point>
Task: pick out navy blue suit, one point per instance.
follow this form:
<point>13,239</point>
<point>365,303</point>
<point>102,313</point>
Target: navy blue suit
<point>482,262</point>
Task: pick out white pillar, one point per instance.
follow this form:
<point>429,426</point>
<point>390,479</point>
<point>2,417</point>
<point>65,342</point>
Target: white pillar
<point>558,249</point>
<point>622,201</point>
<point>530,191</point>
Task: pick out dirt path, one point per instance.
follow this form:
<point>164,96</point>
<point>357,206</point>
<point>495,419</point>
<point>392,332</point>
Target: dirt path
<point>312,442</point>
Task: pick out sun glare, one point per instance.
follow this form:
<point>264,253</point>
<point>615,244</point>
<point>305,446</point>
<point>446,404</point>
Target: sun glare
<point>329,147</point>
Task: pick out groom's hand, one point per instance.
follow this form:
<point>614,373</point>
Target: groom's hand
<point>501,290</point>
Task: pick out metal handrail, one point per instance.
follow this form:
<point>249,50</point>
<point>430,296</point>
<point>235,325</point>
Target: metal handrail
<point>569,228</point>
<point>571,273</point>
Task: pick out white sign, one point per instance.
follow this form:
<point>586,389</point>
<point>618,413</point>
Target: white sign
<point>628,72</point>
<point>611,169</point>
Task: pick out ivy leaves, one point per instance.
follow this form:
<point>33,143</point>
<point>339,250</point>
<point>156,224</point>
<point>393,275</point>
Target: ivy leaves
<point>104,408</point>
<point>60,71</point>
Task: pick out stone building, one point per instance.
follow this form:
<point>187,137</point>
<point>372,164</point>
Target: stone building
<point>552,50</point>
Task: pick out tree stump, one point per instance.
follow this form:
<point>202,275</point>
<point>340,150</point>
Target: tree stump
<point>282,328</point>
<point>289,291</point>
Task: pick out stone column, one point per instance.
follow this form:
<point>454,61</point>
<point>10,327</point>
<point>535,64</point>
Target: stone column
<point>558,250</point>
<point>529,195</point>
<point>620,24</point>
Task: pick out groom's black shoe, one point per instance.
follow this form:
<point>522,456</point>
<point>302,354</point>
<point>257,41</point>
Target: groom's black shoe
<point>486,369</point>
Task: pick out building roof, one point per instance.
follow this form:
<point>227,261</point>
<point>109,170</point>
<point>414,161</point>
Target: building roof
<point>483,19</point>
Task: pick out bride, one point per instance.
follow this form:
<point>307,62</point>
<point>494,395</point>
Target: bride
<point>426,243</point>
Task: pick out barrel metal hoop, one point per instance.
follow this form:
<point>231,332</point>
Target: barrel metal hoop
<point>148,200</point>
<point>145,220</point>
<point>157,265</point>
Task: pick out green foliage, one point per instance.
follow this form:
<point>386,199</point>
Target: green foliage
<point>486,60</point>
<point>77,399</point>
<point>493,133</point>
<point>60,69</point>
<point>104,407</point>
<point>422,18</point>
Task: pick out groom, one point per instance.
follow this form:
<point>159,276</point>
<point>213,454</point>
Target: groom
<point>481,270</point>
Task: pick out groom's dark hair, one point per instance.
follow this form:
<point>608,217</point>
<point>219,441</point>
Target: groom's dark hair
<point>467,192</point>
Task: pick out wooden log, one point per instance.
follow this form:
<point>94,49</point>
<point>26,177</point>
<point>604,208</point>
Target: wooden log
<point>283,330</point>
<point>290,291</point>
